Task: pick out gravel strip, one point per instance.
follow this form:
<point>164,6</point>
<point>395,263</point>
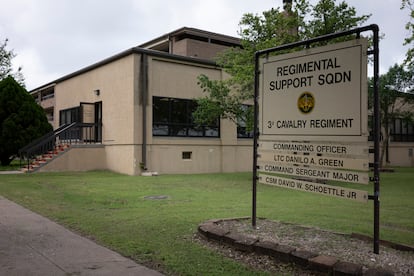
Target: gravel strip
<point>340,246</point>
<point>255,261</point>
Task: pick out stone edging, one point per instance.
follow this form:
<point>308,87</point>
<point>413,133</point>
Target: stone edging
<point>285,253</point>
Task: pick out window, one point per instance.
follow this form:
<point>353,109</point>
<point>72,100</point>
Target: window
<point>186,155</point>
<point>173,117</point>
<point>242,131</point>
<point>402,130</point>
<point>47,95</point>
<point>68,116</point>
<point>49,114</point>
<point>371,128</point>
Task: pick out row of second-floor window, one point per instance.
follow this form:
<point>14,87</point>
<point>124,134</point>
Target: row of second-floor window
<point>44,95</point>
<point>174,117</point>
<point>402,130</point>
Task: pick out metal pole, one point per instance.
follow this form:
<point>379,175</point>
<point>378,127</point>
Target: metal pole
<point>255,138</point>
<point>377,132</point>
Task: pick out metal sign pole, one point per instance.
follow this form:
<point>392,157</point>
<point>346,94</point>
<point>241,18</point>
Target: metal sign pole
<point>377,132</point>
<point>376,104</point>
<point>255,138</point>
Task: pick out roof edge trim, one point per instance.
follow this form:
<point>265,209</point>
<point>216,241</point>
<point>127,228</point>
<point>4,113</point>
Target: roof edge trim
<point>134,50</point>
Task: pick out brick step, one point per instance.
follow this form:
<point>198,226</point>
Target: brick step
<point>45,158</point>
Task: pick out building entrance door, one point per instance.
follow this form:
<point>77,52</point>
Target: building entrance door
<point>98,121</point>
<point>91,113</point>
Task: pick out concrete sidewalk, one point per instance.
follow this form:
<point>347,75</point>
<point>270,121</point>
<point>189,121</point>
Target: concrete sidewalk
<point>33,245</point>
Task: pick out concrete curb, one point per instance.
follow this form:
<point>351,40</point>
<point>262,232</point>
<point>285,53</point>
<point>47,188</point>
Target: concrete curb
<point>285,253</point>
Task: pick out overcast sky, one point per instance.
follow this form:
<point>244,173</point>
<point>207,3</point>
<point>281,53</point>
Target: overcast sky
<point>53,38</point>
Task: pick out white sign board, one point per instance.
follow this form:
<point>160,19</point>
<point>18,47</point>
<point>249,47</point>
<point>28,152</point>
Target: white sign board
<point>335,149</point>
<point>320,92</point>
<point>322,189</point>
<point>314,173</point>
<point>360,164</point>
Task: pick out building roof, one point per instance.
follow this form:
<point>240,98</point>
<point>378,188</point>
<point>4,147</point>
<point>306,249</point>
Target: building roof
<point>134,50</point>
<point>162,43</point>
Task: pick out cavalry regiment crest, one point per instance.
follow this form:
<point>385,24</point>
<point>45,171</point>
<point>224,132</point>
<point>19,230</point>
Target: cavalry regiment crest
<point>306,102</point>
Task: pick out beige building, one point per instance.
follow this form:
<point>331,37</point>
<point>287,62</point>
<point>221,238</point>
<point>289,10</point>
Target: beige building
<point>138,106</point>
<point>135,108</point>
<point>401,132</point>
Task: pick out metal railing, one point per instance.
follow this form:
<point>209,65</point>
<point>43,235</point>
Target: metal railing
<point>74,133</point>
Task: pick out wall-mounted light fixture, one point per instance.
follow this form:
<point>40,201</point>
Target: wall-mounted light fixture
<point>97,92</point>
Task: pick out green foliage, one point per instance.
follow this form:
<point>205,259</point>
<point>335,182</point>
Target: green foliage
<point>222,102</point>
<point>21,119</point>
<point>272,28</point>
<point>327,17</point>
<point>6,69</point>
<point>409,58</point>
<point>394,101</point>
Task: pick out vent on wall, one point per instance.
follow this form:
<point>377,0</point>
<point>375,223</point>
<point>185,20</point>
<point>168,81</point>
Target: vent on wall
<point>186,155</point>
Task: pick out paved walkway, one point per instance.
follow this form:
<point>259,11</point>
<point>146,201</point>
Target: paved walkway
<point>33,245</point>
<point>11,172</point>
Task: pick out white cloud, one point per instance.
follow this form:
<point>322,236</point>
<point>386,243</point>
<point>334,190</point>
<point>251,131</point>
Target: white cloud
<point>54,38</point>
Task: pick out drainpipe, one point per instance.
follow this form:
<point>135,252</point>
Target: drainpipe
<point>144,99</point>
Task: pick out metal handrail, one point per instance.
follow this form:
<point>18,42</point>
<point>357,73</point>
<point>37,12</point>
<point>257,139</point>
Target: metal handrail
<point>74,133</point>
<point>44,137</point>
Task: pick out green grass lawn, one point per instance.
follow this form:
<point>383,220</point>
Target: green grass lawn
<point>112,208</point>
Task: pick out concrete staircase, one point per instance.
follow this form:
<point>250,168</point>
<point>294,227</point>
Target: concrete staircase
<point>45,158</point>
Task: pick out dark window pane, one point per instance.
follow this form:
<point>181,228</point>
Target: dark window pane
<point>68,116</point>
<point>411,128</point>
<point>404,129</point>
<point>212,132</point>
<point>178,130</point>
<point>179,112</point>
<point>160,130</point>
<point>195,131</point>
<point>173,117</point>
<point>161,110</point>
<point>397,126</point>
<point>242,125</point>
<point>243,133</point>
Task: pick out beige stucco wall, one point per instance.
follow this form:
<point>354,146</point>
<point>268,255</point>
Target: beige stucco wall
<point>167,158</point>
<point>122,119</point>
<point>78,158</point>
<point>117,84</point>
<point>400,154</point>
<point>208,155</point>
<point>174,79</point>
<point>123,158</point>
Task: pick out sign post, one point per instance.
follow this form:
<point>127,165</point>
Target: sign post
<point>313,119</point>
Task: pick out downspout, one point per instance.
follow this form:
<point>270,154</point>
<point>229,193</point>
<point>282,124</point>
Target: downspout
<point>144,100</point>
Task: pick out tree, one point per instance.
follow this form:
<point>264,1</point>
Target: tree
<point>6,69</point>
<point>409,58</point>
<point>395,102</point>
<point>224,98</point>
<point>21,119</point>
